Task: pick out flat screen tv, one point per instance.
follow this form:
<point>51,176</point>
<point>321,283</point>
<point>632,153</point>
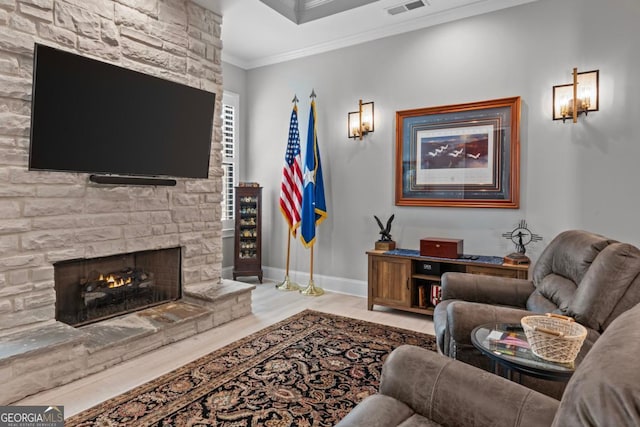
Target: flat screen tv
<point>94,117</point>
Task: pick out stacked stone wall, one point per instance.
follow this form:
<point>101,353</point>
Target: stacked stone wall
<point>52,216</point>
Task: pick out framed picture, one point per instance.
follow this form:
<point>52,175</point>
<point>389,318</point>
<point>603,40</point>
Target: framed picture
<point>465,155</point>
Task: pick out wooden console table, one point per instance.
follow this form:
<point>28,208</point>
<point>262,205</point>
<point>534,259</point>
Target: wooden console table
<point>399,278</point>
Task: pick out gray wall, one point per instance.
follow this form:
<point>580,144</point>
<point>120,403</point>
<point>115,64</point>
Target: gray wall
<point>572,175</point>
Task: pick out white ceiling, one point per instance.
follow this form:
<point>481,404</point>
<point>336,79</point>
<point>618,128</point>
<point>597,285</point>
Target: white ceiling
<point>255,35</point>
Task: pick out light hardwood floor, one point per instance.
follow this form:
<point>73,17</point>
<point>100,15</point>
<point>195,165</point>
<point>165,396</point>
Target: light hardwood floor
<point>269,306</point>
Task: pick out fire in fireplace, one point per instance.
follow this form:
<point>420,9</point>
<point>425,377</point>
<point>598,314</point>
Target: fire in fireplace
<point>89,290</point>
<point>117,287</point>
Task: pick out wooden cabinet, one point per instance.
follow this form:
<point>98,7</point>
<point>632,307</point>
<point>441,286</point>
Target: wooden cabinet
<point>389,282</point>
<point>404,280</point>
<point>248,232</point>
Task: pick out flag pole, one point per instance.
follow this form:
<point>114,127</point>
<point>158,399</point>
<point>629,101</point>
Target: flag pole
<point>288,285</point>
<point>311,289</point>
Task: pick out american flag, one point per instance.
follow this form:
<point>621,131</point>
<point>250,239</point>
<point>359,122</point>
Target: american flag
<point>291,188</point>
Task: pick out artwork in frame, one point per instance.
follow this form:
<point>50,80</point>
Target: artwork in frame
<point>464,155</point>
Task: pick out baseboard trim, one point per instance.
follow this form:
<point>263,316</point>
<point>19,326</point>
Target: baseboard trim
<point>339,285</point>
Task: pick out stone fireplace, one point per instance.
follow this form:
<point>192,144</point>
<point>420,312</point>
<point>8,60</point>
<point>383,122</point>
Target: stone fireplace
<point>90,290</point>
<point>52,218</point>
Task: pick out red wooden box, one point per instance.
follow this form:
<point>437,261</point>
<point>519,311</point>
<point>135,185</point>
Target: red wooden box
<point>441,248</point>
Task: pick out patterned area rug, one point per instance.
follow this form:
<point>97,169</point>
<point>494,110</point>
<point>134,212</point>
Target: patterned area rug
<point>308,370</point>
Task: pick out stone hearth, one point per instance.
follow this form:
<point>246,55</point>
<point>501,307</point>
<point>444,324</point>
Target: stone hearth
<point>56,354</point>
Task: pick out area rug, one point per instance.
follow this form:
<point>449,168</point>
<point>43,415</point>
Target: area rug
<point>308,370</point>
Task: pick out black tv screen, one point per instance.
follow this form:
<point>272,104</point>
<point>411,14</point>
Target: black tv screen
<point>90,116</point>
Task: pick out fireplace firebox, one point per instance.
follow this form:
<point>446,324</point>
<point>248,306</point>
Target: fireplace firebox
<point>89,290</point>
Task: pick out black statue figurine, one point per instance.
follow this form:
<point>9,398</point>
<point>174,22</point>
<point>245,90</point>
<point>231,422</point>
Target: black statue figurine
<point>385,232</point>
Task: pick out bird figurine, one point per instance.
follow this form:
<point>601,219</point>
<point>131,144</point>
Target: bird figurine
<point>385,231</point>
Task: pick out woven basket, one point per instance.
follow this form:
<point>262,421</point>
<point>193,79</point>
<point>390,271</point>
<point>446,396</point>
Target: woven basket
<point>554,337</point>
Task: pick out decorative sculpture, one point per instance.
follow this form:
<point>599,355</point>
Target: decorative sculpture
<point>385,241</point>
<point>521,236</point>
<point>385,232</point>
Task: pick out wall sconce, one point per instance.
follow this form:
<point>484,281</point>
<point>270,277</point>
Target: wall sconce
<point>361,122</point>
<point>581,96</point>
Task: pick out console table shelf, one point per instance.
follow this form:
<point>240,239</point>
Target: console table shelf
<point>403,279</point>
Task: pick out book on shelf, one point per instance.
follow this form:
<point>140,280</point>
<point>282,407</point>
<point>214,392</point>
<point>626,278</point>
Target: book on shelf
<point>511,343</point>
<point>436,294</point>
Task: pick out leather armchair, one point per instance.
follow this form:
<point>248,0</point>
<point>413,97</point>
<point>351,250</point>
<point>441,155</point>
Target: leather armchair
<point>579,274</point>
<point>419,387</point>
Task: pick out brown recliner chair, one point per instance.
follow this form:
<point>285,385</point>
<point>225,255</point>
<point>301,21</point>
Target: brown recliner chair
<point>419,388</point>
<point>579,274</point>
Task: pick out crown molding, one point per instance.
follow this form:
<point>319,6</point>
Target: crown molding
<point>450,15</point>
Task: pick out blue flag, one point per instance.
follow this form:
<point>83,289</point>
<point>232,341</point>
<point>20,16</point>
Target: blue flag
<point>314,207</point>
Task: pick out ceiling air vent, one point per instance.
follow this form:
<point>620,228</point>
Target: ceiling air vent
<point>405,7</point>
